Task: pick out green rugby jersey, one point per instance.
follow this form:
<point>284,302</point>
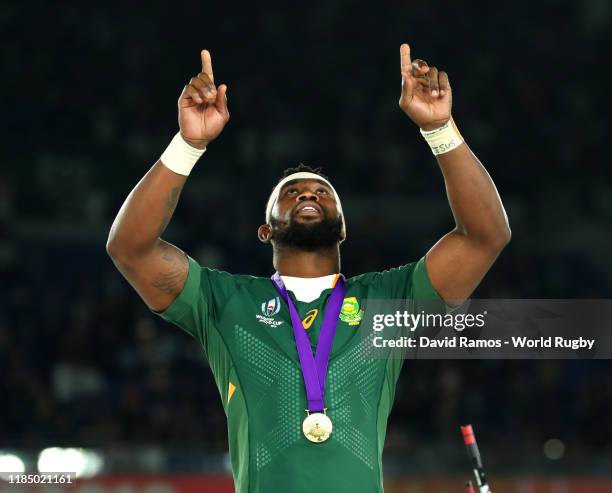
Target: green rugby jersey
<point>245,330</point>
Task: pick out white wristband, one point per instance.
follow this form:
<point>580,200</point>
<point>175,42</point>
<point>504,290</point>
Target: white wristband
<point>180,157</point>
<point>443,139</point>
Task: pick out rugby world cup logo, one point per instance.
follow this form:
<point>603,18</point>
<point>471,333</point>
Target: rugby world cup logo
<point>271,307</point>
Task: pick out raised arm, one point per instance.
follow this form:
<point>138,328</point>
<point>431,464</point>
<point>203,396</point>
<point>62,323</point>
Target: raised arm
<point>459,260</point>
<point>155,268</point>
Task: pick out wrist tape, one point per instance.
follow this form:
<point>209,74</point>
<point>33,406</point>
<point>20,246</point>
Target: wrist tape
<point>443,139</point>
<point>180,157</point>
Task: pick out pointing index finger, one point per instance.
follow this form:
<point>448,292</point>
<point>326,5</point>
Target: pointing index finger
<point>405,62</point>
<point>207,64</point>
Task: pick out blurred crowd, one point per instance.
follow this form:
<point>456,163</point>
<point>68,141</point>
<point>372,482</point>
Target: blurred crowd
<point>84,362</point>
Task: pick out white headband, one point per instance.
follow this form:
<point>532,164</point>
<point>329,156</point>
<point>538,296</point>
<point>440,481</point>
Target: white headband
<point>302,175</point>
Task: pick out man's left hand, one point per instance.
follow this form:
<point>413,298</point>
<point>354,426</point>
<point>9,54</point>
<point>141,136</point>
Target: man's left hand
<point>426,93</point>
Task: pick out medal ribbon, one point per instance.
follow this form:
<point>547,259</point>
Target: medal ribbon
<point>314,368</point>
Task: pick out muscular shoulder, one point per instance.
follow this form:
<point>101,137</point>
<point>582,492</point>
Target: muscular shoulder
<point>379,279</point>
<point>225,283</point>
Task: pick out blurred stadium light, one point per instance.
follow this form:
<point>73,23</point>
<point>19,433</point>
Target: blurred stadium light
<point>10,462</point>
<point>83,463</point>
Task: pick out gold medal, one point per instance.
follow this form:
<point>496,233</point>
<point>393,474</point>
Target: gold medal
<point>317,427</point>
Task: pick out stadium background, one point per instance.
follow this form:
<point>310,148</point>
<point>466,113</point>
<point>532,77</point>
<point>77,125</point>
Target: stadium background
<point>89,105</point>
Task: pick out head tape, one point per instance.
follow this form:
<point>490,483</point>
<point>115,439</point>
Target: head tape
<point>302,175</point>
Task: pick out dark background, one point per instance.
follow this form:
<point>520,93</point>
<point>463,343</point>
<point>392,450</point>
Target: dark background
<point>89,103</point>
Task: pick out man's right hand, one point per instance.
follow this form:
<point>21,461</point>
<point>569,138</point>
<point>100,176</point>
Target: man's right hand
<point>202,107</point>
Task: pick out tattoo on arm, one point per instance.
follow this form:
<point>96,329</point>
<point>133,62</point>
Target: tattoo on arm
<point>171,202</point>
<point>172,279</point>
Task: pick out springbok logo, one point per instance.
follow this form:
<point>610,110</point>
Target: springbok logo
<point>271,307</point>
<point>350,311</point>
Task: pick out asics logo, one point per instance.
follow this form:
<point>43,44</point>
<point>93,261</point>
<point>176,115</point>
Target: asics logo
<point>310,318</point>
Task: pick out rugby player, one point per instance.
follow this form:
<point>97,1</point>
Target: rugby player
<point>305,410</point>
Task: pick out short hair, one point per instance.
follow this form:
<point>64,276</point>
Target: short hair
<point>301,168</point>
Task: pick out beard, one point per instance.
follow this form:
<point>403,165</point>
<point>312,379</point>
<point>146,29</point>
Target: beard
<point>308,236</point>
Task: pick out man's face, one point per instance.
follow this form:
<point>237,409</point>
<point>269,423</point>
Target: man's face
<point>306,216</point>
